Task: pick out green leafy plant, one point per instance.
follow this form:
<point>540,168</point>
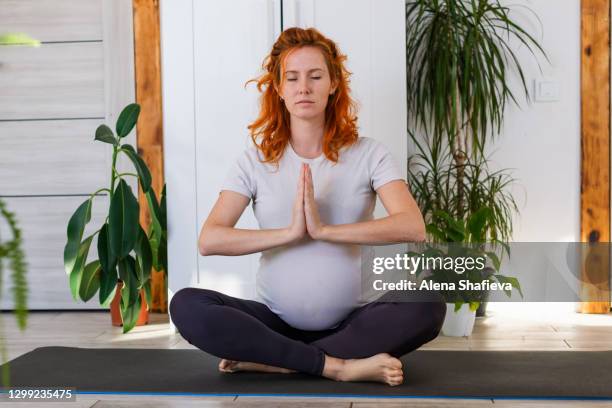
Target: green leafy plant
<point>482,219</point>
<point>458,56</point>
<point>458,238</point>
<point>125,251</point>
<point>12,251</point>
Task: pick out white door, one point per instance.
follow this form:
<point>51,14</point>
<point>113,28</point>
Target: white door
<point>209,50</point>
<point>52,99</point>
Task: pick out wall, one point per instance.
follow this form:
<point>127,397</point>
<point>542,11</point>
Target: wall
<point>542,140</point>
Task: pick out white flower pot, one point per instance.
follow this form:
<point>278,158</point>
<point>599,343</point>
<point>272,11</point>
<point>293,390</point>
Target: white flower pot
<point>459,323</point>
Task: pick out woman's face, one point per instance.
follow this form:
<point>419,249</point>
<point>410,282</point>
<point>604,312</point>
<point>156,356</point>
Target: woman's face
<point>306,83</point>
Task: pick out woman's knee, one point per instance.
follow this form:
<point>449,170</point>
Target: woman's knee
<point>438,314</point>
<point>431,320</point>
<point>433,312</point>
<point>187,302</point>
<point>191,313</point>
<point>428,317</point>
<point>180,301</point>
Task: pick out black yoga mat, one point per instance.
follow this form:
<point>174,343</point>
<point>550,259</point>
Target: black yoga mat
<point>428,373</point>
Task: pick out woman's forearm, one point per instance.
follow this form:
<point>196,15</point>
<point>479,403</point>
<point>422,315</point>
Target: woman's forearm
<point>396,228</point>
<point>219,240</point>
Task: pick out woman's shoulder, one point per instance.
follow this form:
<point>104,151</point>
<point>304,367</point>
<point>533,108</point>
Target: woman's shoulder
<point>249,153</point>
<point>365,145</point>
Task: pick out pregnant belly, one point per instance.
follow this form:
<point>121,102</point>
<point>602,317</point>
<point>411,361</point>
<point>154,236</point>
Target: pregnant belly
<point>308,288</point>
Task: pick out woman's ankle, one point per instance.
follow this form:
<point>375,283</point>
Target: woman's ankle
<point>333,368</point>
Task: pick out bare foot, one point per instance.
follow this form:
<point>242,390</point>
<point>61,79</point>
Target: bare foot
<point>380,368</point>
<point>232,366</point>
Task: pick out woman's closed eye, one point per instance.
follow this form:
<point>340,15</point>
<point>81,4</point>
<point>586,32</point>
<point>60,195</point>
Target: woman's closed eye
<point>295,79</point>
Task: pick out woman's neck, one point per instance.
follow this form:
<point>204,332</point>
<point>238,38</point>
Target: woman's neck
<point>307,137</point>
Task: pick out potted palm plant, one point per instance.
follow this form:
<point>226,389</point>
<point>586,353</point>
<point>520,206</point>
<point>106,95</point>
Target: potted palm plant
<point>432,176</point>
<point>458,57</point>
<point>126,253</point>
<point>462,290</point>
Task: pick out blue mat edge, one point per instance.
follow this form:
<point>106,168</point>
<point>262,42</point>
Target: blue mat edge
<point>550,398</point>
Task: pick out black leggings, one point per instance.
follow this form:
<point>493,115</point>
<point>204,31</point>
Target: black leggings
<point>246,330</point>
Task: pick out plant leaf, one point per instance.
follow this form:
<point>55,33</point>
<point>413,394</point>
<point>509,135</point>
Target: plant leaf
<point>108,260</point>
<point>434,231</point>
<point>129,312</point>
<point>105,134</point>
<point>477,222</point>
<point>162,252</point>
<point>154,209</point>
<point>155,229</point>
<point>513,281</point>
<point>495,259</point>
<point>148,296</point>
<point>144,175</point>
<point>130,294</point>
<point>129,315</point>
<point>162,208</point>
<point>108,263</point>
<point>143,256</point>
<point>108,287</point>
<point>77,271</point>
<point>127,273</point>
<point>75,229</point>
<point>127,119</point>
<point>123,220</point>
<point>90,281</point>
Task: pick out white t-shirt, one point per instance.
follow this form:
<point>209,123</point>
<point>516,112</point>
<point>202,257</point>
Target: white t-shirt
<point>313,285</point>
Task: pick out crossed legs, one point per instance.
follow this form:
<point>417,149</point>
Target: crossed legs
<point>365,346</point>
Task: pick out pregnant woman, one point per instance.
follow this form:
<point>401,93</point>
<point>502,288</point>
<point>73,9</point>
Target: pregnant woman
<point>313,183</point>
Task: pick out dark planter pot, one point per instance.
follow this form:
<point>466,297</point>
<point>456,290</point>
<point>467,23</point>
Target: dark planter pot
<point>482,309</point>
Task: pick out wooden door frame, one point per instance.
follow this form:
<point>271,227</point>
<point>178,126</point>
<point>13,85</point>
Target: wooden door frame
<point>595,153</point>
<point>147,65</point>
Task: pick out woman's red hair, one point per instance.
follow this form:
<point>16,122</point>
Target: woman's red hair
<point>272,125</point>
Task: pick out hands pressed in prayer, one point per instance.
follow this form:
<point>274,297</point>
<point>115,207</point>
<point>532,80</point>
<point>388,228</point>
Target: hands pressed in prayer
<point>314,226</point>
<point>305,220</point>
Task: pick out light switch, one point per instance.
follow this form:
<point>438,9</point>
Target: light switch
<point>546,90</point>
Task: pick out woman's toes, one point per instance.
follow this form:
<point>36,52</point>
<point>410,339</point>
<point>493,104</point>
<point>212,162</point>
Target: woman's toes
<point>227,366</point>
<point>395,378</point>
<point>394,375</point>
<point>392,372</point>
<point>393,381</point>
